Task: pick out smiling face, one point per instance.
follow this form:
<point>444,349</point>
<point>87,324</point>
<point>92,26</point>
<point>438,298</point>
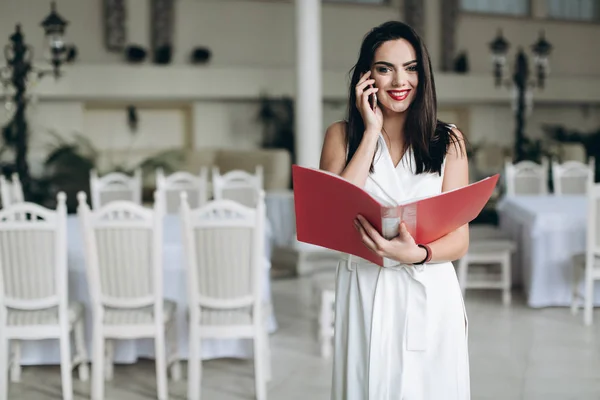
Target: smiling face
<point>396,75</point>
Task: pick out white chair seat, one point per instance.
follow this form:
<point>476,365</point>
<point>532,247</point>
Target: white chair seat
<point>228,317</point>
<point>48,316</point>
<point>138,316</point>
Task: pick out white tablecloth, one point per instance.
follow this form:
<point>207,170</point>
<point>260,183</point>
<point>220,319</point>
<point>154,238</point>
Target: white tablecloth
<point>281,214</point>
<point>548,230</point>
<point>128,351</point>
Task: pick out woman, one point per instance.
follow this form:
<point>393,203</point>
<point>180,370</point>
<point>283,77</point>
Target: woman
<point>400,331</point>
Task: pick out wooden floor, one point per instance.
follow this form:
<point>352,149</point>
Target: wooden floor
<point>516,353</point>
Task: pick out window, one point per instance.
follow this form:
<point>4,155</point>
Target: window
<point>579,10</point>
<point>508,7</point>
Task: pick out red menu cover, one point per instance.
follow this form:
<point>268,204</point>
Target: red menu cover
<point>327,204</point>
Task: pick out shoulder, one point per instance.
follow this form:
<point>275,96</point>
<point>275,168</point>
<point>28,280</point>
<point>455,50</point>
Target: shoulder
<point>457,144</point>
<point>456,167</point>
<point>336,131</point>
<point>334,152</point>
<point>450,140</point>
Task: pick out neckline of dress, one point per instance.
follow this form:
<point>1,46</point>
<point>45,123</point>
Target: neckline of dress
<point>387,150</point>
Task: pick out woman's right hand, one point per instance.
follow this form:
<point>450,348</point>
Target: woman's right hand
<point>372,118</point>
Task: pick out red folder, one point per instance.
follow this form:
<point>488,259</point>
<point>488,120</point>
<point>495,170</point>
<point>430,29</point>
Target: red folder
<point>327,204</point>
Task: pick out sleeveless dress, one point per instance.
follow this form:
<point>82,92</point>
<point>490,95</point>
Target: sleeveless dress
<point>400,331</point>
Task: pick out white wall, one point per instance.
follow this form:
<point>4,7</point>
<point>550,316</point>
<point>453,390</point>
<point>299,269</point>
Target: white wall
<point>238,32</point>
<point>253,48</point>
<point>495,124</point>
<point>575,51</point>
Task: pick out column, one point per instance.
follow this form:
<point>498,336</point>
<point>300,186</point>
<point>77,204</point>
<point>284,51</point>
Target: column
<point>309,99</point>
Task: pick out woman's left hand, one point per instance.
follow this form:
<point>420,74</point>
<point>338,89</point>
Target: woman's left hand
<point>402,248</point>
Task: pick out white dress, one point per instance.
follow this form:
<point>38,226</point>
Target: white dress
<point>400,332</point>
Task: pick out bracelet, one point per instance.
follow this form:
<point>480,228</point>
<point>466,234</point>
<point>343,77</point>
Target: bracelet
<point>427,257</point>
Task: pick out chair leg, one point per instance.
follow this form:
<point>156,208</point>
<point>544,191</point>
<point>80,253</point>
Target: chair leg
<point>325,318</point>
<point>98,364</point>
<point>194,363</point>
<point>575,288</point>
<point>161,364</point>
<point>506,279</point>
<point>589,298</point>
<point>66,366</point>
<point>81,350</point>
<point>463,271</point>
<point>15,364</point>
<point>267,355</point>
<point>4,355</point>
<point>109,356</point>
<point>259,368</point>
<point>173,361</point>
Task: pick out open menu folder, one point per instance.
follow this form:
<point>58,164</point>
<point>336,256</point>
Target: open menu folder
<point>327,204</point>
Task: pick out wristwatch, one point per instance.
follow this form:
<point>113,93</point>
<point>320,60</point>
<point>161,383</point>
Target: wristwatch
<point>427,257</point>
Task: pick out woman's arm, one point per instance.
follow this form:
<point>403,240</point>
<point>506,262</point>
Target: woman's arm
<point>333,155</point>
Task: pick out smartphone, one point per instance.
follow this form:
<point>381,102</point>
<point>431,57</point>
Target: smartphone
<point>373,100</point>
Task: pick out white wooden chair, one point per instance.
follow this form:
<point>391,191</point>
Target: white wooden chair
<point>572,177</point>
<point>588,263</point>
<point>115,186</point>
<point>494,250</point>
<point>123,250</point>
<point>11,192</point>
<point>34,303</point>
<point>526,178</point>
<point>169,187</point>
<point>238,185</point>
<point>224,253</point>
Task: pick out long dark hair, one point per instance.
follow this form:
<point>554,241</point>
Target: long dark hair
<point>425,135</point>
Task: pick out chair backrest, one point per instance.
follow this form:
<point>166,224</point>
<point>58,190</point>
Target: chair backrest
<point>33,256</point>
<point>593,224</point>
<point>526,178</point>
<point>224,252</point>
<point>115,186</point>
<point>572,177</point>
<point>237,185</point>
<point>123,250</point>
<point>11,191</point>
<point>170,187</point>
